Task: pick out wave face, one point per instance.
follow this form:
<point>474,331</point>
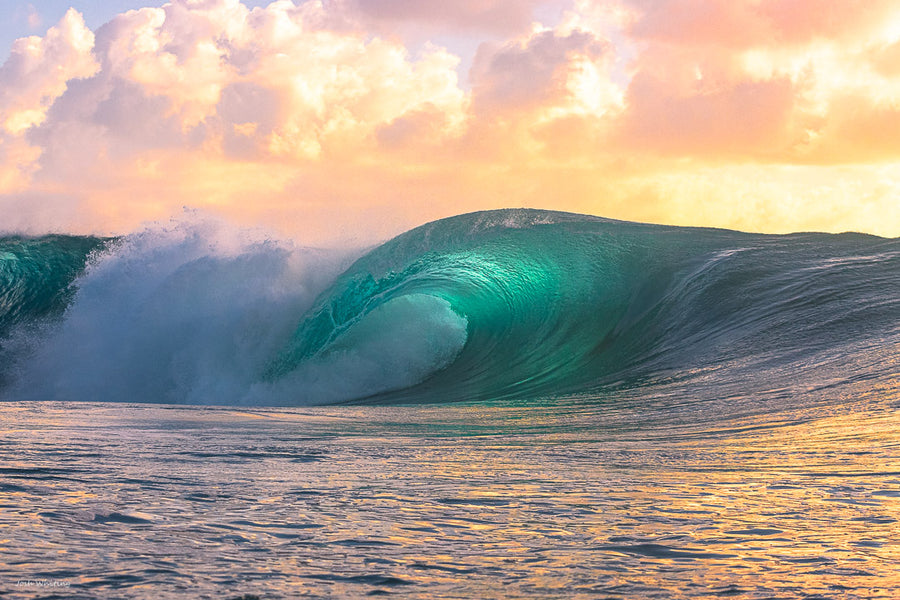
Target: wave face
<point>500,305</point>
<point>35,278</point>
<point>35,274</point>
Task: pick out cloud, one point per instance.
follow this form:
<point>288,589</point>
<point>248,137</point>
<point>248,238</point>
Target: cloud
<point>34,17</point>
<point>694,22</point>
<point>491,16</point>
<point>241,96</point>
<point>745,118</point>
<point>797,81</point>
<point>330,118</point>
<point>38,70</point>
<point>532,72</point>
<point>747,23</point>
<point>17,163</point>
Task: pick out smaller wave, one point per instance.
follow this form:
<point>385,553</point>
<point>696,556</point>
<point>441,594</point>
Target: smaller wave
<point>185,313</point>
<point>35,288</point>
<point>36,273</point>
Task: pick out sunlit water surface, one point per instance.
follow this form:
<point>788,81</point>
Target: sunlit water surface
<point>624,498</point>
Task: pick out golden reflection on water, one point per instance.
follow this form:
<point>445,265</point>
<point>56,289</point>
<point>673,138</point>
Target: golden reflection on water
<point>152,502</point>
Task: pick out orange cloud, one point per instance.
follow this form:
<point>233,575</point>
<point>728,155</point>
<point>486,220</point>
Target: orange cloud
<point>38,70</point>
<point>756,114</point>
<point>503,16</point>
<point>747,23</point>
<point>746,118</point>
<point>529,73</point>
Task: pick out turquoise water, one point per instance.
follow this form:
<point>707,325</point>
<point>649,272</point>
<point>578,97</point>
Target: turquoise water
<point>510,404</point>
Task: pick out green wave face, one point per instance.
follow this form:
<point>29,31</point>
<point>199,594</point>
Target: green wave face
<point>35,275</point>
<point>557,304</point>
<point>35,285</point>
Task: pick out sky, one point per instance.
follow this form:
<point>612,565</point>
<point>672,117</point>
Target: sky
<point>357,119</point>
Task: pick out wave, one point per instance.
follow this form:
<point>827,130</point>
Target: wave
<point>498,305</point>
<point>35,278</point>
<point>35,274</point>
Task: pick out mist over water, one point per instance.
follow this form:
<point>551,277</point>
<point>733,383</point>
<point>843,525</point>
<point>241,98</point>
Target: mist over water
<point>184,313</point>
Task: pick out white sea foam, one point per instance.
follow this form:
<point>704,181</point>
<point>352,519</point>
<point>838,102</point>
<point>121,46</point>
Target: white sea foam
<point>193,313</point>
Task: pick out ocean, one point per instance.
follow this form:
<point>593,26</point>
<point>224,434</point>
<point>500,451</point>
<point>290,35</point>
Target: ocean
<point>505,404</point>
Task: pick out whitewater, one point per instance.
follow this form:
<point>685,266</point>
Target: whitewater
<point>512,403</point>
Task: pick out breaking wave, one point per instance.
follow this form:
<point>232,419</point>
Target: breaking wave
<point>510,304</point>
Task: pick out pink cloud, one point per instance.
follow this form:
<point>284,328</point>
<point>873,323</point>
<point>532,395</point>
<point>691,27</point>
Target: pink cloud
<point>495,16</point>
<point>529,73</point>
<point>34,17</point>
<point>796,21</point>
<point>247,113</point>
<point>746,118</point>
<point>886,59</point>
<point>728,22</point>
<point>422,128</point>
<point>39,69</point>
<point>856,130</point>
<point>745,23</point>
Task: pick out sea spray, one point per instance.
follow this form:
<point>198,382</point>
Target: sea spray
<point>185,313</point>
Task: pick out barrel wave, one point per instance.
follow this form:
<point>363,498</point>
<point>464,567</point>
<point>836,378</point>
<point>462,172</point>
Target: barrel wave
<point>511,305</point>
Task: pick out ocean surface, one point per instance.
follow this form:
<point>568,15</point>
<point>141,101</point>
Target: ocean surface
<point>507,404</point>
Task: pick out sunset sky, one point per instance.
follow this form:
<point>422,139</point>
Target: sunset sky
<point>357,119</point>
